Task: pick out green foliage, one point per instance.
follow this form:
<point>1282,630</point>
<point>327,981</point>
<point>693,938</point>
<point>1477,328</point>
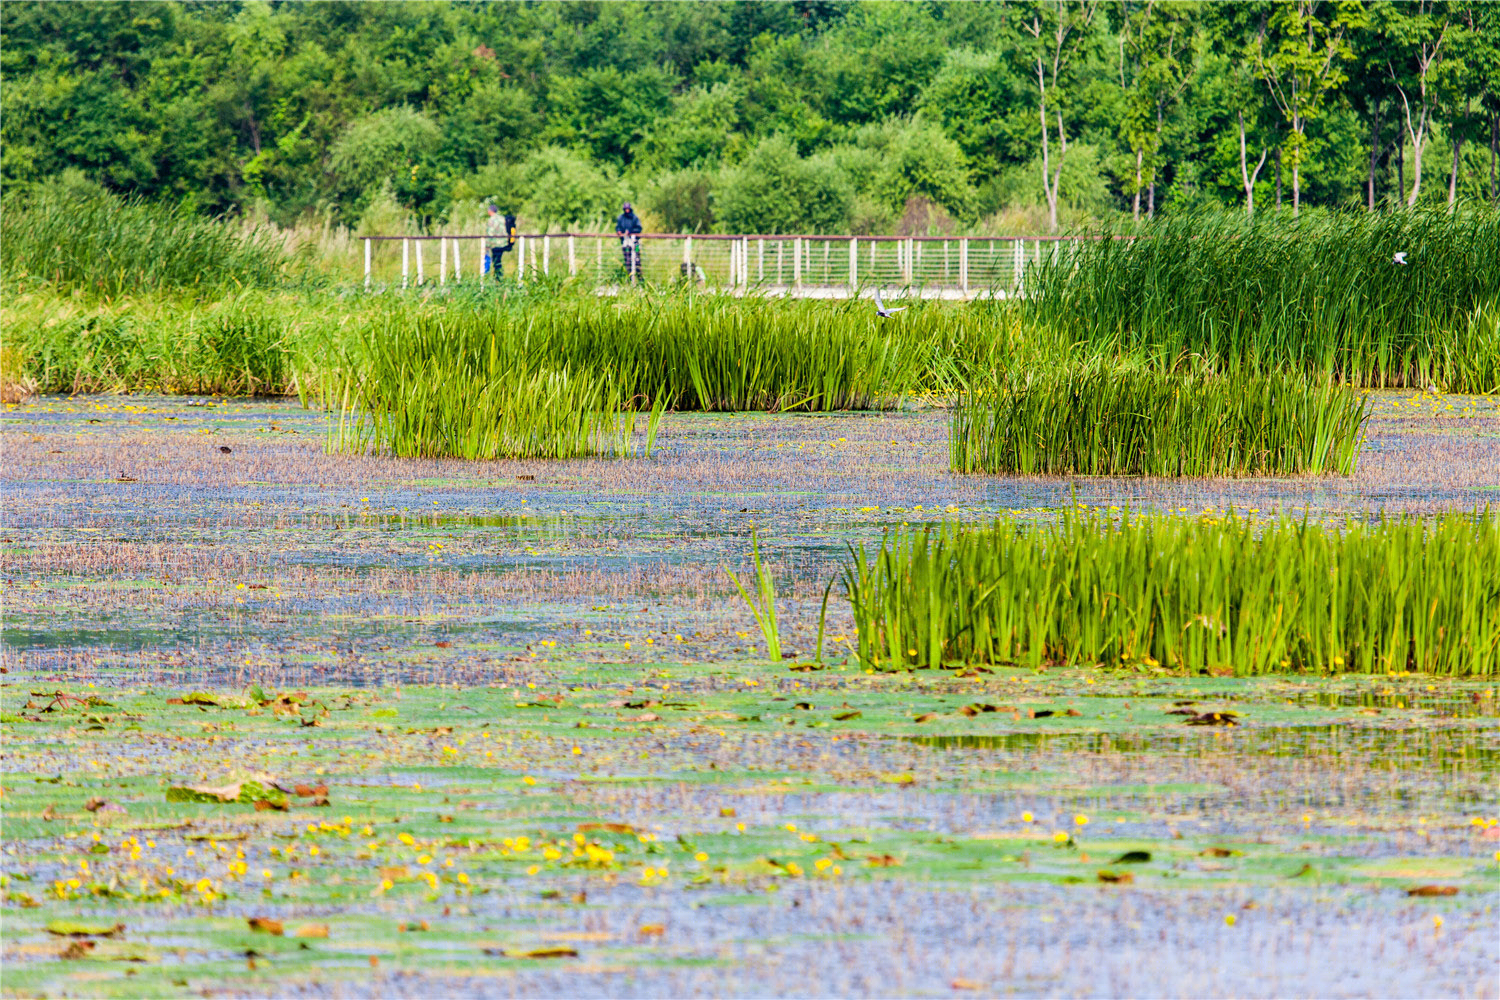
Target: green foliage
<point>303,110</point>
<point>1223,595</point>
<point>391,146</point>
<point>777,191</point>
<point>1321,294</point>
<point>103,244</point>
<point>1103,419</point>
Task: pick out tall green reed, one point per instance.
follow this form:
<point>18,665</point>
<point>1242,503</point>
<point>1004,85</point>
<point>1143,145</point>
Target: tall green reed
<point>420,392</point>
<point>1100,418</point>
<point>103,244</point>
<point>763,605</point>
<point>1322,294</point>
<point>1224,595</point>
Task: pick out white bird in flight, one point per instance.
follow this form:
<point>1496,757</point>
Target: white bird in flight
<point>1400,258</point>
<point>881,310</point>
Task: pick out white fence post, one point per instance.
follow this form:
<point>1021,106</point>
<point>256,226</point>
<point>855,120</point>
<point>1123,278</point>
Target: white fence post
<point>854,265</point>
<point>457,260</point>
<point>546,254</point>
<point>520,259</point>
<point>442,260</point>
<point>599,254</point>
<point>963,265</point>
<point>1020,264</point>
<point>687,258</point>
<point>572,258</point>
<point>760,259</point>
<point>797,262</point>
<point>419,243</point>
<point>367,265</point>
<point>405,260</point>
<point>479,260</point>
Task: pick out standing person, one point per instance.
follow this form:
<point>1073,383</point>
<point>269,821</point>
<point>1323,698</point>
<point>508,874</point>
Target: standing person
<point>501,233</point>
<point>628,229</point>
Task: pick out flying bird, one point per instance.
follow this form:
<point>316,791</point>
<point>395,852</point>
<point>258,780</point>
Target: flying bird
<point>1400,258</point>
<point>881,310</point>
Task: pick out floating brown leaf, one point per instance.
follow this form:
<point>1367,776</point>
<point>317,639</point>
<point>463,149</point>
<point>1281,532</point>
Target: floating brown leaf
<point>1117,878</point>
<point>652,930</point>
<point>1433,890</point>
<point>847,716</point>
<point>1214,719</point>
<point>926,717</point>
<point>882,860</point>
<point>1219,852</point>
<point>965,984</point>
<point>265,925</point>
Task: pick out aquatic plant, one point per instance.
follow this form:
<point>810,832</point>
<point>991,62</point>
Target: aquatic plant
<point>1323,294</point>
<point>1099,418</point>
<point>1219,594</point>
<point>765,610</point>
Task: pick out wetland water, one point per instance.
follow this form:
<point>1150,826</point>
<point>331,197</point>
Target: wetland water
<point>473,656</point>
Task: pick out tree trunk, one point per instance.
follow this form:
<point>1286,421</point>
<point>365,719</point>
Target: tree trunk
<point>1494,150</point>
<point>1246,177</point>
<point>1151,200</point>
<point>1416,169</point>
<point>1458,145</point>
<point>1047,186</point>
<point>1401,169</point>
<point>1135,207</point>
<point>1278,178</point>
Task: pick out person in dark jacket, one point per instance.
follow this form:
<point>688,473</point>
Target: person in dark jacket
<point>628,229</point>
<point>500,231</point>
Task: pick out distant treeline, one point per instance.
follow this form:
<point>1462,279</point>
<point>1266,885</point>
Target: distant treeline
<point>766,117</point>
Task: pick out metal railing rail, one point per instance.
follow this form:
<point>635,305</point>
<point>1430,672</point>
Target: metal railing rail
<point>805,265</point>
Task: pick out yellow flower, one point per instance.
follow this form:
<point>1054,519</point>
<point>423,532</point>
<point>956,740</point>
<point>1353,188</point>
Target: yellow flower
<point>533,870</point>
<point>1229,919</point>
<point>1026,817</point>
<point>700,856</point>
<point>406,839</point>
<point>463,878</point>
<point>528,780</point>
<point>424,859</point>
<point>1081,820</point>
<point>1060,837</point>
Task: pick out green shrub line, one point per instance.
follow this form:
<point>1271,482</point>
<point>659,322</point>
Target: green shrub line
<point>1225,595</point>
<point>1100,418</point>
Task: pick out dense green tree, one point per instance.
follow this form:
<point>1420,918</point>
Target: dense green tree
<point>422,109</point>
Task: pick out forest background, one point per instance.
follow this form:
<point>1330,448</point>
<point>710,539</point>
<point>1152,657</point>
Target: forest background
<point>998,118</point>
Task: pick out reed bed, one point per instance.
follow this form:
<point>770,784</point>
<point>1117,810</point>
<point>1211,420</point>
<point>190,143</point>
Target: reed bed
<point>1227,596</point>
<point>425,391</point>
<point>1098,418</point>
<point>1322,294</point>
<point>103,244</point>
<point>716,353</point>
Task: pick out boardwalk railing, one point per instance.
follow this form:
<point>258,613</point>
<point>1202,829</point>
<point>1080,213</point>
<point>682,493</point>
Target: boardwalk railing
<point>802,266</point>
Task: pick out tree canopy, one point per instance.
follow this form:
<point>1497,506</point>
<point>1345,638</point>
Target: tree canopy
<point>806,116</point>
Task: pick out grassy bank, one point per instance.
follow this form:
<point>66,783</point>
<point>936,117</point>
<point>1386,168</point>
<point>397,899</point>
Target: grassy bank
<point>1225,596</point>
<point>1100,418</point>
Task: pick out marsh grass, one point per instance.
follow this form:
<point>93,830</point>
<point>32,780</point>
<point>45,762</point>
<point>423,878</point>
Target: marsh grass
<point>1222,595</point>
<point>1320,294</point>
<point>424,391</point>
<point>1099,418</point>
<point>102,244</point>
